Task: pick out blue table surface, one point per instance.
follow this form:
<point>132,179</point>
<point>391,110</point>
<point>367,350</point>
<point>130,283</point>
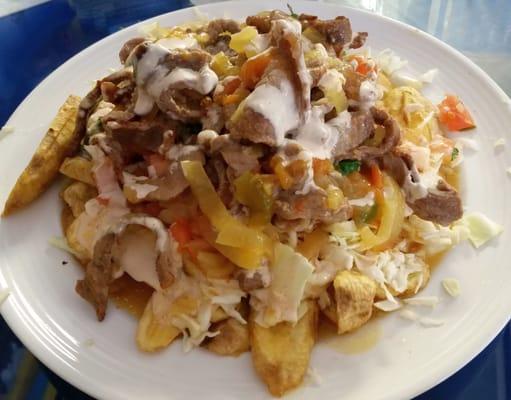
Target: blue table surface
<point>35,41</point>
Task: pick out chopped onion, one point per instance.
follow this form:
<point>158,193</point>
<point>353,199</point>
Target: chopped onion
<point>4,293</point>
<point>387,305</point>
<point>501,142</point>
<point>451,286</point>
<point>409,315</point>
<point>428,76</point>
<point>426,301</point>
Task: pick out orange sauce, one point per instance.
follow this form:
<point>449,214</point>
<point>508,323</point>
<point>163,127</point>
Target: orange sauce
<point>359,341</point>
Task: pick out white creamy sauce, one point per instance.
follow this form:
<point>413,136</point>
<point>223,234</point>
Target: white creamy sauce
<point>282,28</point>
<point>154,224</point>
<point>332,80</point>
<point>137,184</point>
<point>93,123</point>
<point>144,103</point>
<point>172,43</point>
<point>316,136</point>
<point>138,257</point>
<point>277,105</point>
<point>154,78</point>
<point>369,94</point>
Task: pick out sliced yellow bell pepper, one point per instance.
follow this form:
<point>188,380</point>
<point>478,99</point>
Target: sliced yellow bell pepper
<point>255,192</point>
<point>244,246</point>
<point>391,221</point>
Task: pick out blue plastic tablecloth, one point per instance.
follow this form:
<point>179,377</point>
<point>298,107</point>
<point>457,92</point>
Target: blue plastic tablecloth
<point>35,41</point>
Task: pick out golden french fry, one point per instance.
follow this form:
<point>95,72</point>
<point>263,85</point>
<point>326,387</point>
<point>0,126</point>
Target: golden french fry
<point>218,315</point>
<point>232,340</point>
<point>152,335</point>
<point>76,195</point>
<point>354,298</point>
<point>66,217</point>
<point>78,168</point>
<point>281,353</point>
<point>155,333</point>
<point>72,233</point>
<point>59,142</point>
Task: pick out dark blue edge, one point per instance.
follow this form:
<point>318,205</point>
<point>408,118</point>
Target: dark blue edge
<point>36,34</point>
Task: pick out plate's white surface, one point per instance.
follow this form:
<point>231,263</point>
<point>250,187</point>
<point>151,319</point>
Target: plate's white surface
<point>57,325</point>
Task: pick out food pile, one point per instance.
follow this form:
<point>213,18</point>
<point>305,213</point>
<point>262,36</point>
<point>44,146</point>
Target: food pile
<point>257,176</point>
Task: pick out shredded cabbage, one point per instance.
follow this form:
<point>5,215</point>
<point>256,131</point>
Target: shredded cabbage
<point>390,268</point>
<point>480,228</point>
<point>281,300</point>
<point>389,62</point>
<point>434,237</point>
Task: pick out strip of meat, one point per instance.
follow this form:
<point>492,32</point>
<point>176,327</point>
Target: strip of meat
<point>440,204</point>
<point>337,32</point>
<point>360,129</point>
<point>105,266</point>
<point>359,40</point>
<point>282,97</point>
<point>310,207</point>
<point>263,20</point>
<point>240,158</point>
<point>128,47</point>
<point>177,80</point>
<point>99,274</point>
<point>217,41</point>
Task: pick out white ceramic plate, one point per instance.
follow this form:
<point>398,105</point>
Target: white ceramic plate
<point>101,358</point>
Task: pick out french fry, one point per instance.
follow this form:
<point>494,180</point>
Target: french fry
<point>78,168</point>
<point>281,353</point>
<point>66,217</point>
<point>59,142</point>
<point>154,333</point>
<point>232,340</point>
<point>76,195</point>
<point>72,233</point>
<point>354,298</point>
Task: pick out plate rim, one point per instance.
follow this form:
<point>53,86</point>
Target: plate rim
<point>408,391</point>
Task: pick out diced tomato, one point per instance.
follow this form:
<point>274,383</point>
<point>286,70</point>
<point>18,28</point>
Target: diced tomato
<point>376,177</point>
<point>322,167</point>
<point>454,115</point>
<point>104,201</point>
<point>181,232</point>
<point>159,163</point>
<point>253,69</point>
<point>363,67</point>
